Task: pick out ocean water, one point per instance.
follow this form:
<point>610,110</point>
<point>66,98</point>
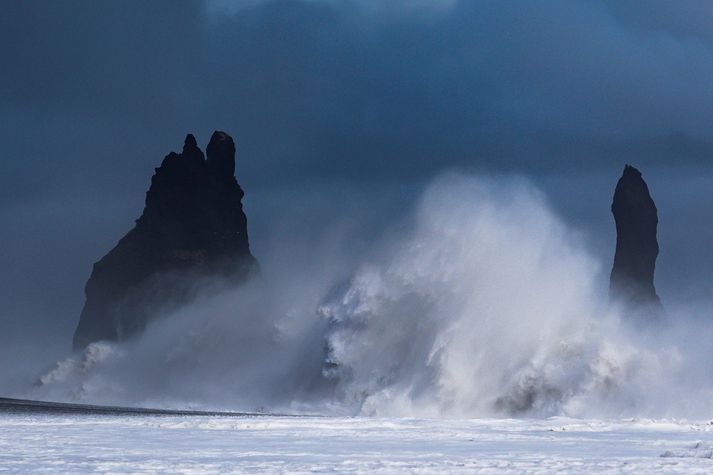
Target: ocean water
<point>472,337</point>
<point>184,444</point>
<point>482,303</point>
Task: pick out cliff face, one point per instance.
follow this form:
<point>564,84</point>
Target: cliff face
<point>193,226</point>
<point>636,217</point>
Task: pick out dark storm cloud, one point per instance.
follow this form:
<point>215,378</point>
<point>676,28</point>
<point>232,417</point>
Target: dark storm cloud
<point>322,89</point>
<point>502,85</point>
<point>338,107</point>
<point>81,80</point>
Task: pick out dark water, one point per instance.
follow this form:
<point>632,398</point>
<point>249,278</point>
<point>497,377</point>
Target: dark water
<point>28,406</point>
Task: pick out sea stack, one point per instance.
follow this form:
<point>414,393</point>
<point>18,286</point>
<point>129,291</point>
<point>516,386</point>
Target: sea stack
<point>192,229</point>
<point>632,277</point>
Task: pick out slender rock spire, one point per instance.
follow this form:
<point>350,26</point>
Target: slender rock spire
<point>221,153</point>
<point>632,276</point>
<point>192,155</point>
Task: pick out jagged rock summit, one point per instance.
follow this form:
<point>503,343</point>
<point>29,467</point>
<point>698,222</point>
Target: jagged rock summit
<point>192,227</point>
<point>632,276</point>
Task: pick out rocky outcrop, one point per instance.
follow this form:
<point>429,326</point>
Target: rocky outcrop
<point>192,227</point>
<point>632,277</point>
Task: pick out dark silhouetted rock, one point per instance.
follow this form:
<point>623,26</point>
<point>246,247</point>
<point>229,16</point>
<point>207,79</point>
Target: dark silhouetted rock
<point>632,277</point>
<point>192,228</point>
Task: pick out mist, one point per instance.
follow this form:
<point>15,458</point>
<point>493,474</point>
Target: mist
<point>345,115</point>
<point>480,302</point>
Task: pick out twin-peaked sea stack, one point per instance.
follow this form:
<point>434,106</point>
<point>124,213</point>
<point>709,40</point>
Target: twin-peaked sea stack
<point>192,229</point>
<point>632,277</point>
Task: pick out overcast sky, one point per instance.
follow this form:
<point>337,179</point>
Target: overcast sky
<point>344,110</point>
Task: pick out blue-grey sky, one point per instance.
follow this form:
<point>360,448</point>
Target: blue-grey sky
<point>342,110</point>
